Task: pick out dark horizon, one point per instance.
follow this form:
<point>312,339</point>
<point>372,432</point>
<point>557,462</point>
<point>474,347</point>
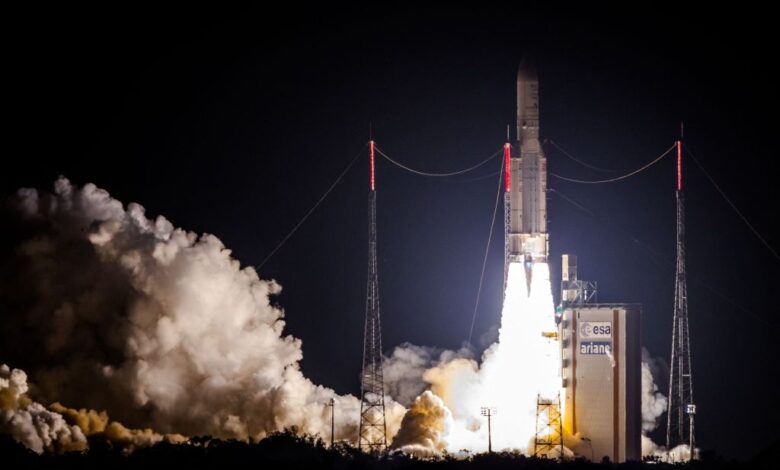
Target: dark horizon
<point>235,122</point>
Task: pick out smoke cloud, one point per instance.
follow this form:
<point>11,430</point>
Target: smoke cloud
<point>424,426</point>
<point>30,423</point>
<point>653,402</point>
<point>93,423</point>
<point>410,369</point>
<point>61,429</point>
<point>654,405</point>
<point>108,309</point>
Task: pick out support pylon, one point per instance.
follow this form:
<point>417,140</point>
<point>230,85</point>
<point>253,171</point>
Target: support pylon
<point>372,436</point>
<point>681,410</point>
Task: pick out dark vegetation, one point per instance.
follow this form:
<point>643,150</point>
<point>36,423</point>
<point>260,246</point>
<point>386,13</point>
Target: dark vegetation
<point>287,450</point>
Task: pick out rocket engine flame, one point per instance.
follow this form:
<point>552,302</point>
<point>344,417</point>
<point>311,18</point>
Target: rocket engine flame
<point>523,364</point>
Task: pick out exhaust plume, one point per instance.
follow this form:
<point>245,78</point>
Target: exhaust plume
<point>512,372</point>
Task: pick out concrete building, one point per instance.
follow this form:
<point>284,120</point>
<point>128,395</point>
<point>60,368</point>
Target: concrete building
<point>602,376</point>
<point>601,369</point>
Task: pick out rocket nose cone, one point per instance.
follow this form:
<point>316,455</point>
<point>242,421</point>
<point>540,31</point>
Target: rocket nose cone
<point>527,69</point>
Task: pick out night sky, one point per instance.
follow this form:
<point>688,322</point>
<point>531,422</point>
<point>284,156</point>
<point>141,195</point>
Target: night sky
<point>235,122</point>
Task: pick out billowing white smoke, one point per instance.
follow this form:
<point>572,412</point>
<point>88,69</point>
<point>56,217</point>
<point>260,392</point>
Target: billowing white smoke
<point>653,402</point>
<point>164,329</point>
<point>31,423</point>
<point>678,454</point>
<point>61,429</point>
<point>654,405</point>
<point>156,325</point>
<point>424,427</point>
<point>405,368</point>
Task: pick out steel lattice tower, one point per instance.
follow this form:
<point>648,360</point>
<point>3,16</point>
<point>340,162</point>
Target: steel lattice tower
<point>681,410</point>
<point>548,441</point>
<point>373,429</point>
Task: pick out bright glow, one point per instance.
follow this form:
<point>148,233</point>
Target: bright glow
<point>371,144</point>
<point>679,166</point>
<point>523,364</point>
<point>507,180</point>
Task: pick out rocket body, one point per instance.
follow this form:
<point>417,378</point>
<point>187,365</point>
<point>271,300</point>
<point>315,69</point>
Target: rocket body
<point>527,232</point>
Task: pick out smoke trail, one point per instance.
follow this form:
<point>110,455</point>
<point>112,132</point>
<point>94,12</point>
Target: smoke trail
<point>110,310</point>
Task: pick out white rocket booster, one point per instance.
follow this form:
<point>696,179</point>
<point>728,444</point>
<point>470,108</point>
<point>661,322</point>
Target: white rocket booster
<point>527,183</point>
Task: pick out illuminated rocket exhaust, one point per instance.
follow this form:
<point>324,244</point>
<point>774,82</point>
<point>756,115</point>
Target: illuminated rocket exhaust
<point>526,362</point>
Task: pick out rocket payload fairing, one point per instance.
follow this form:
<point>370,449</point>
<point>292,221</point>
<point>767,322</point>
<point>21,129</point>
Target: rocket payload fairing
<point>527,238</point>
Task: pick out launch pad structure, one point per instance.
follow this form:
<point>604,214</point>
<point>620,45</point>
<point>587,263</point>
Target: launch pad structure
<point>548,441</point>
<point>596,347</point>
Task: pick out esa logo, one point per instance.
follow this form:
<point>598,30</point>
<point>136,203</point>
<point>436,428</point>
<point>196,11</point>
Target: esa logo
<point>596,329</point>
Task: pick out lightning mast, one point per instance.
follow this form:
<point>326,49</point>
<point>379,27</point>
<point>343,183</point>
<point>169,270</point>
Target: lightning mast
<point>681,411</point>
<point>507,207</point>
<point>372,436</point>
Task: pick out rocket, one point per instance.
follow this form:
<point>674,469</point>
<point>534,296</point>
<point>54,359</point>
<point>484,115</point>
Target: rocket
<point>526,187</point>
